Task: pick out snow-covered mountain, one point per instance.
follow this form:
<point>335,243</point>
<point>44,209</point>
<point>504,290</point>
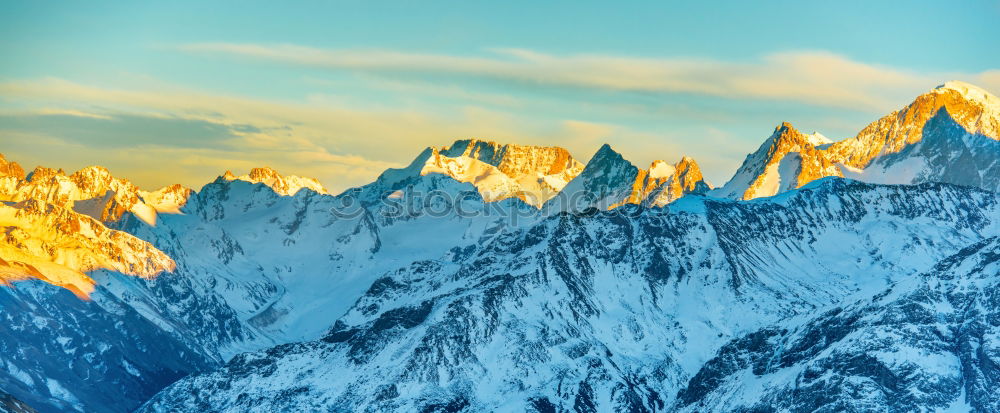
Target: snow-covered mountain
<point>533,174</point>
<point>254,268</point>
<point>280,184</point>
<point>788,159</point>
<point>608,312</point>
<point>59,246</point>
<point>645,291</point>
<point>950,134</point>
<point>610,181</point>
<point>974,109</point>
<point>928,343</point>
<point>52,232</point>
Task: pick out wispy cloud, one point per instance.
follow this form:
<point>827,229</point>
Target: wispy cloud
<point>165,128</point>
<point>811,77</point>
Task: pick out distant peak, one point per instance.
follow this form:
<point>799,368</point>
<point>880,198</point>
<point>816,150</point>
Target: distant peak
<point>784,132</point>
<point>687,163</point>
<point>606,151</point>
<point>472,142</point>
<point>263,173</point>
<point>785,127</point>
<point>93,169</point>
<point>92,173</point>
<point>281,184</point>
<point>10,168</point>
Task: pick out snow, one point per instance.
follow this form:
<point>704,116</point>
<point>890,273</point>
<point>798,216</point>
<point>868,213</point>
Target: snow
<point>145,213</point>
<point>533,174</point>
<point>817,139</point>
<point>491,183</point>
<point>904,172</point>
<point>273,255</point>
<point>19,374</point>
<point>770,181</point>
<point>57,390</point>
<point>286,185</point>
<point>131,369</point>
<point>661,169</point>
<point>973,93</point>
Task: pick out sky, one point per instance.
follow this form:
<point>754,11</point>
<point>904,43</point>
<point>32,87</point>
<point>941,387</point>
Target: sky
<point>179,92</point>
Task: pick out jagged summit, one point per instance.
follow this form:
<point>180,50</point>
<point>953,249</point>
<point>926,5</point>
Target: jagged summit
<point>609,181</point>
<point>287,185</point>
<point>786,160</point>
<point>92,191</point>
<point>42,173</point>
<point>533,174</point>
<point>10,168</point>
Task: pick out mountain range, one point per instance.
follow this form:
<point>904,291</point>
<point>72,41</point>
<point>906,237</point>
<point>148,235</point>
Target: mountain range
<point>856,275</point>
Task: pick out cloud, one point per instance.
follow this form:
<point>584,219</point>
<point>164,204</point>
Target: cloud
<point>146,132</point>
<point>811,77</point>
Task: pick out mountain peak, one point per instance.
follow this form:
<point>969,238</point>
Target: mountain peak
<point>972,93</point>
<point>688,164</point>
<point>168,199</point>
<point>10,168</point>
<point>971,107</point>
<point>263,173</point>
<point>499,171</point>
<point>92,176</point>
<point>787,160</point>
<point>606,155</point>
<point>786,130</point>
<point>610,181</point>
<point>287,185</point>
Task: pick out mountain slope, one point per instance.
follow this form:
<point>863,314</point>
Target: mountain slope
<point>50,243</point>
<point>59,353</point>
<point>929,342</point>
<point>601,313</point>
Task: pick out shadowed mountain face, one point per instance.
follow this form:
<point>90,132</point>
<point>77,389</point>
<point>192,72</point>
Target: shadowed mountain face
<point>928,342</point>
<point>644,292</point>
<point>602,313</point>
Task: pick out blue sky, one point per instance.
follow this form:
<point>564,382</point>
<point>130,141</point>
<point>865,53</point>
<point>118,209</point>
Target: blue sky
<point>181,91</point>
